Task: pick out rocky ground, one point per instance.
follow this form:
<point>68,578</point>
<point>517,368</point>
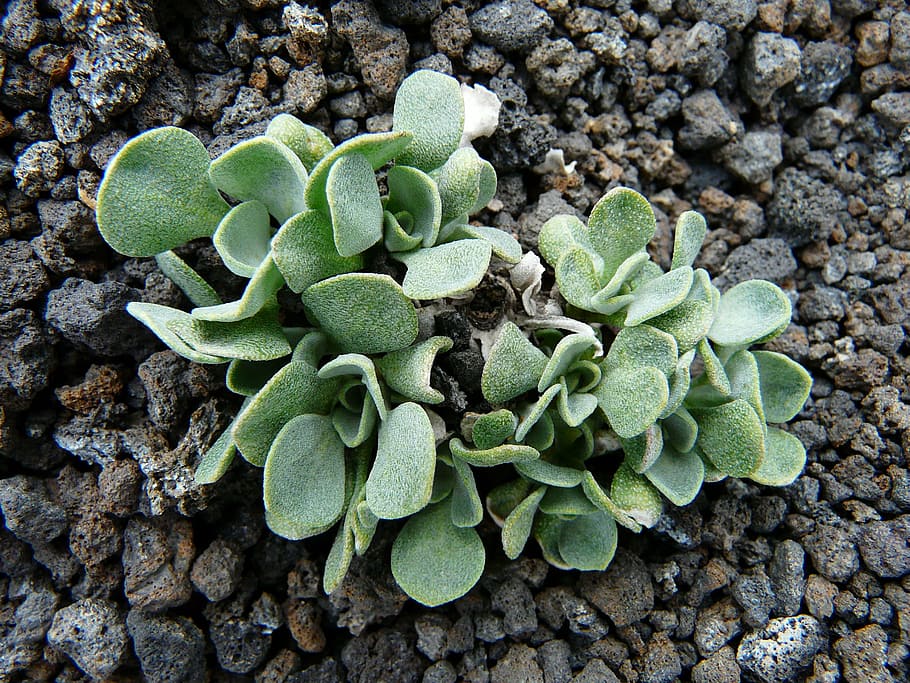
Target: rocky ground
<point>786,122</point>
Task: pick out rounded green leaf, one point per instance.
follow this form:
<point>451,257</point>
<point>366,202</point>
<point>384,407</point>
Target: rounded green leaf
<point>560,235</point>
<point>358,365</point>
<point>636,496</point>
<point>659,295</point>
<point>576,276</point>
<point>680,429</point>
<point>466,183</point>
<point>626,270</point>
<point>504,246</point>
<point>258,337</point>
<point>247,377</point>
<point>445,270</point>
<point>242,238</point>
<point>264,169</point>
<point>588,542</point>
<point>216,460</point>
<point>429,105</point>
<point>304,251</point>
<point>750,312</point>
<point>401,480</point>
<point>363,312</point>
<point>516,529</point>
<point>354,204</point>
<point>407,371</point>
<point>532,414</point>
<point>513,367</point>
<point>412,190</point>
<point>732,436</point>
<point>575,407</point>
<point>259,293</point>
<point>742,371</point>
<point>467,510</point>
<point>678,476</point>
<point>550,474</point>
<point>156,194</point>
<point>435,561</point>
<point>491,457</point>
<point>308,143</point>
<point>599,498</point>
<point>339,559</point>
<point>164,322</point>
<point>304,477</point>
<point>785,385</point>
<point>785,458</point>
<point>632,400</point>
<point>494,428</point>
<point>643,346</point>
<point>621,224</point>
<point>567,351</point>
<point>197,290</point>
<point>691,229</point>
<point>714,373</point>
<point>643,450</point>
<point>546,532</point>
<point>560,501</point>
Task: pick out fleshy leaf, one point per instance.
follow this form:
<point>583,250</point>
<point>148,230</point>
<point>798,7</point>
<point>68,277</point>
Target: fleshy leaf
<point>258,337</point>
<point>304,478</point>
<point>162,321</point>
<point>308,143</point>
<point>242,238</point>
<point>531,414</point>
<point>217,459</point>
<point>714,369</point>
<point>445,270</point>
<point>516,528</point>
<point>504,246</point>
<point>560,501</point>
<point>364,524</point>
<point>751,312</point>
<point>491,457</point>
<point>785,458</point>
<point>247,377</point>
<point>435,561</point>
<point>466,183</point>
<point>742,371</point>
<point>443,481</point>
<point>678,476</point>
<point>659,295</point>
<point>429,105</point>
<point>785,385</point>
<point>732,437</point>
<point>600,499</point>
<point>407,371</point>
<point>588,542</point>
<point>502,499</point>
<point>547,529</point>
<point>636,496</point>
<point>304,251</point>
<point>620,225</point>
<point>467,510</point>
<point>395,232</point>
<point>197,290</point>
<point>358,365</point>
<point>560,235</point>
<point>643,450</point>
<point>680,381</point>
<point>643,346</point>
<point>156,194</point>
<point>550,474</point>
<point>574,407</point>
<point>626,270</point>
<point>542,433</point>
<point>412,190</point>
<point>264,169</point>
<point>567,351</point>
<point>632,400</point>
<point>355,427</point>
<point>681,430</point>
<point>690,234</point>
<point>494,428</point>
<point>354,205</point>
<point>513,367</point>
<point>338,560</point>
<point>294,390</point>
<point>259,293</point>
<point>363,312</point>
<point>577,278</point>
<point>401,480</point>
<point>378,148</point>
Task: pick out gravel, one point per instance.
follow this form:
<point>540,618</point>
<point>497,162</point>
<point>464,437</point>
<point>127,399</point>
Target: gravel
<point>92,633</point>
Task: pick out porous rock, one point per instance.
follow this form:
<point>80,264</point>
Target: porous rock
<point>92,633</point>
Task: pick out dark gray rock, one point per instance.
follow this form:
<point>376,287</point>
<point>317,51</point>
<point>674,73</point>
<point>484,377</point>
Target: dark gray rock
<point>172,385</point>
<point>553,659</point>
<point>39,167</point>
<point>821,303</point>
<point>770,62</point>
<point>307,33</point>
<point>451,31</point>
<point>766,259</point>
<point>733,16</point>
<point>788,577</point>
<point>118,54</point>
<point>22,637</point>
<point>899,55</point>
<point>716,625</point>
<point>24,87</point>
<point>518,664</point>
<point>410,12</point>
<point>893,107</point>
<point>432,639</point>
<point>753,157</point>
<point>250,107</point>
<point>170,650</point>
<point>214,92</point>
<point>92,633</point>
<point>885,547</point>
<point>381,51</point>
<point>168,100</point>
<point>216,572</point>
<point>440,672</point>
<point>511,25</point>
<point>520,140</point>
<point>71,119</point>
<point>708,123</point>
<point>304,89</point>
<point>720,667</point>
<point>157,554</point>
<point>782,650</point>
<point>556,66</point>
<point>383,655</point>
<point>595,671</point>
<point>623,592</point>
<point>327,671</point>
<point>29,511</point>
<point>802,207</point>
<point>864,655</point>
<point>823,68</point>
<point>22,277</point>
<point>755,594</point>
<point>514,600</point>
<point>549,204</point>
<point>94,316</point>
<point>69,243</point>
<point>22,26</point>
<point>240,645</point>
<point>833,552</point>
<point>702,55</point>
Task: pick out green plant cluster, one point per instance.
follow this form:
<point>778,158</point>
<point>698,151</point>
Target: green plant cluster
<point>338,407</point>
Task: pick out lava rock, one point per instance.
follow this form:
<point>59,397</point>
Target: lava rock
<point>168,100</point>
<point>216,572</point>
<point>721,667</point>
<point>770,62</point>
<point>214,92</point>
<point>864,655</point>
<point>553,659</point>
<point>733,16</point>
<point>766,259</point>
<point>71,119</point>
<point>22,277</point>
<point>169,649</point>
<point>623,592</point>
<point>172,385</point>
<point>383,655</point>
<point>69,243</point>
<point>802,207</point>
<point>307,33</point>
<point>884,547</point>
<point>410,12</point>
<point>29,511</point>
<point>755,594</point>
<point>782,649</point>
<point>511,25</point>
<point>304,619</point>
<point>519,140</point>
<point>556,66</point>
<point>240,645</point>
<point>92,633</point>
<point>894,107</point>
<point>304,89</point>
<point>788,581</point>
<point>451,32</point>
<point>39,167</point>
<point>156,562</point>
<point>94,316</point>
<point>518,664</point>
<point>900,40</point>
<point>753,157</point>
<point>708,122</point>
<point>822,69</point>
<point>24,87</point>
<point>22,27</point>
<point>702,55</point>
<point>514,600</point>
<point>833,552</point>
